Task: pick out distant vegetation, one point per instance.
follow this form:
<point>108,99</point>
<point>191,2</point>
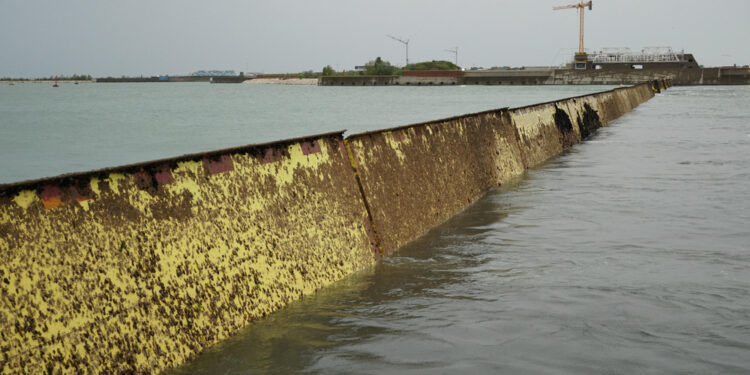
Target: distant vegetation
<point>380,67</point>
<point>344,73</point>
<point>433,65</point>
<point>328,71</point>
<point>308,74</point>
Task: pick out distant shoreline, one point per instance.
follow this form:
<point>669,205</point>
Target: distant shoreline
<point>282,81</point>
<point>255,81</point>
<point>43,81</point>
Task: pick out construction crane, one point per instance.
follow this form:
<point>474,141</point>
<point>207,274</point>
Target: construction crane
<point>405,42</point>
<point>580,7</point>
<point>455,52</point>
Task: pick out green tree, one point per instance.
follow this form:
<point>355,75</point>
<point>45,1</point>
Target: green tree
<point>307,74</point>
<point>328,71</point>
<point>379,67</point>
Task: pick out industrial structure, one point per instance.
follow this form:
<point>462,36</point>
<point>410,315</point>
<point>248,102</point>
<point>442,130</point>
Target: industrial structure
<point>648,54</point>
<point>609,66</point>
<point>454,51</point>
<point>213,73</point>
<point>580,56</point>
<point>403,41</point>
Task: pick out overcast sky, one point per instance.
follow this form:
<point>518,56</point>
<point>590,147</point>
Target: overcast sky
<point>135,37</point>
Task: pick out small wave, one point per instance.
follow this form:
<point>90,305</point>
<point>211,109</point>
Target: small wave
<point>712,162</point>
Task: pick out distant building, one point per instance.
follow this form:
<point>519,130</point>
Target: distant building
<point>204,73</point>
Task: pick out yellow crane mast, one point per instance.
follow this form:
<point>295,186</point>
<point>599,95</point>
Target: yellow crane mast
<point>581,7</point>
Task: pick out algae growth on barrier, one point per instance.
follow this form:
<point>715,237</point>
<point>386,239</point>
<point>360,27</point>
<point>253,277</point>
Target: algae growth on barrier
<point>138,268</point>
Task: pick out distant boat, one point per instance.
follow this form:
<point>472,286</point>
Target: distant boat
<point>76,82</point>
<point>11,83</point>
<point>55,85</point>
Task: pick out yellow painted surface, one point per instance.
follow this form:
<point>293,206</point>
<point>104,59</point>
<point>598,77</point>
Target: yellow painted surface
<point>25,198</point>
<point>396,146</point>
<point>142,281</point>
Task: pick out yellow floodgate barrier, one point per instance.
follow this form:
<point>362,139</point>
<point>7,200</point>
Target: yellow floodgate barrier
<point>138,268</point>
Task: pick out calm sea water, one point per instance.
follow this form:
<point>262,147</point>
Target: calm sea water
<point>629,254</point>
<point>47,131</point>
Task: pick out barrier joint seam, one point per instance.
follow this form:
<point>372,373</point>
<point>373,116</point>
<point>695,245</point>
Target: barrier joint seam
<point>353,164</point>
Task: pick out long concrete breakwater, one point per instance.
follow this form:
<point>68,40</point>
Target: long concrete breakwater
<point>551,76</point>
<point>135,269</point>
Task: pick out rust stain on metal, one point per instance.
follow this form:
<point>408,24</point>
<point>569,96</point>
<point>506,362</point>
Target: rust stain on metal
<point>271,155</point>
<point>163,175</point>
<point>54,196</point>
<point>310,147</point>
<point>218,164</point>
<point>342,148</point>
<point>369,224</point>
<point>51,196</point>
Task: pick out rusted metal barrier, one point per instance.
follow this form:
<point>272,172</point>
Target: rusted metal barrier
<point>136,268</point>
<point>139,267</point>
<point>415,177</point>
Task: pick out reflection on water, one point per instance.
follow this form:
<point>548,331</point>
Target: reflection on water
<point>628,254</point>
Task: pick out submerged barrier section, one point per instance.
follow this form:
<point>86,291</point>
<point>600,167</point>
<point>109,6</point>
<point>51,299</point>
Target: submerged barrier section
<point>138,268</point>
<point>547,129</point>
<point>416,177</point>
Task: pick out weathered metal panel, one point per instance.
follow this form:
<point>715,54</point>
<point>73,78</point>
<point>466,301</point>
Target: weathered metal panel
<point>548,128</point>
<point>628,98</point>
<point>416,177</point>
<point>612,104</point>
<point>539,137</point>
<point>585,113</point>
<point>609,106</point>
<point>136,269</point>
<point>419,176</point>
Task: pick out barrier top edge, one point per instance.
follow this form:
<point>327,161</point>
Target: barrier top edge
<point>575,97</point>
<point>357,135</point>
<point>497,110</point>
<point>6,189</point>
